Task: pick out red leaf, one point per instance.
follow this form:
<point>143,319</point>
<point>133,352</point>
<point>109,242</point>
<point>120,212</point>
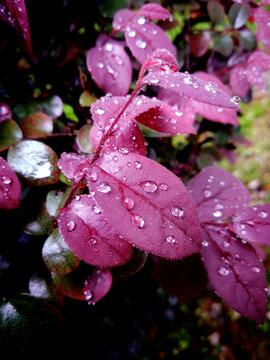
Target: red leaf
<point>161,117</point>
<point>14,12</point>
<point>110,66</point>
<point>235,272</point>
<point>238,81</point>
<point>10,187</point>
<point>73,166</point>
<point>211,112</point>
<point>97,285</point>
<point>154,11</point>
<point>127,135</point>
<point>191,87</point>
<point>262,19</point>
<point>146,203</point>
<point>199,43</point>
<point>87,232</point>
<point>253,224</point>
<point>218,193</point>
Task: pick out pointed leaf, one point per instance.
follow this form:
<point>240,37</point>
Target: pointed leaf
<point>154,11</point>
<point>191,87</point>
<point>110,66</point>
<point>218,193</point>
<point>97,285</point>
<point>253,224</point>
<point>146,203</point>
<point>143,37</point>
<point>10,187</point>
<point>35,162</point>
<point>92,238</point>
<point>235,272</point>
<point>73,166</point>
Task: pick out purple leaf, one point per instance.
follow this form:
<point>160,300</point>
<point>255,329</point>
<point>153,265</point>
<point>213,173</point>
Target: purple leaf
<point>154,11</point>
<point>238,81</point>
<point>192,87</point>
<point>146,203</point>
<point>92,238</point>
<point>122,18</point>
<point>5,112</point>
<point>211,112</point>
<point>253,224</point>
<point>125,135</point>
<point>262,19</point>
<point>162,60</point>
<point>14,12</point>
<point>143,37</point>
<point>10,187</point>
<point>218,193</point>
<point>257,63</point>
<point>110,66</point>
<point>73,166</point>
<point>97,285</point>
<point>235,272</point>
<point>161,117</point>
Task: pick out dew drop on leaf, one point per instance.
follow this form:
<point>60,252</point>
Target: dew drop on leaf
<point>96,209</point>
<point>256,269</point>
<point>70,225</point>
<point>149,186</point>
<point>235,99</point>
<point>205,243</point>
<point>137,165</point>
<point>6,180</point>
<point>223,271</point>
<point>93,176</point>
<point>92,241</point>
<point>131,33</point>
<point>88,295</point>
<point>170,239</point>
<point>128,203</point>
<point>100,65</point>
<point>177,211</point>
<point>207,193</point>
<point>141,44</point>
<point>104,188</point>
<point>100,111</point>
<point>263,214</point>
<point>217,213</point>
<point>138,220</point>
<point>163,187</point>
<point>141,20</point>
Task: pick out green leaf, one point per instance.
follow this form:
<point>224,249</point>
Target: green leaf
<point>216,12</point>
<point>247,40</point>
<point>10,133</point>
<point>69,113</point>
<point>41,224</point>
<point>238,14</point>
<point>57,256</point>
<point>110,7</point>
<point>22,111</point>
<point>86,99</point>
<point>83,139</point>
<point>71,284</point>
<point>56,199</point>
<point>224,45</point>
<point>35,162</point>
<point>52,106</point>
<point>46,289</point>
<point>37,125</point>
<point>136,263</point>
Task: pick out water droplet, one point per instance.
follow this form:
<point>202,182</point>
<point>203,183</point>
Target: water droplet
<point>222,183</point>
<point>170,239</point>
<point>141,44</point>
<point>177,211</point>
<point>70,225</point>
<point>207,193</point>
<point>88,295</point>
<point>223,271</point>
<point>205,243</point>
<point>154,81</point>
<point>226,243</point>
<point>263,214</point>
<point>77,197</point>
<point>141,20</point>
<point>255,269</point>
<point>235,99</point>
<point>92,241</point>
<point>100,111</point>
<point>210,87</point>
<point>138,220</point>
<point>96,209</point>
<point>163,187</point>
<point>129,164</point>
<point>137,165</point>
<point>131,33</point>
<point>6,180</point>
<point>104,188</point>
<point>124,150</point>
<point>149,186</point>
<point>93,176</point>
<point>128,203</point>
<point>179,113</point>
<point>109,47</point>
<point>100,65</point>
<point>6,196</point>
<point>115,158</point>
<point>217,213</point>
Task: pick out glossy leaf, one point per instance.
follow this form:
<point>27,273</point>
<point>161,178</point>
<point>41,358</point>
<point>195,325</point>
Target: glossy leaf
<point>122,18</point>
<point>55,199</point>
<point>192,87</point>
<point>163,60</point>
<point>73,166</point>
<point>40,223</point>
<point>110,66</point>
<point>34,161</point>
<point>10,187</point>
<point>89,234</point>
<point>199,43</point>
<point>154,11</point>
<point>52,106</point>
<point>239,14</point>
<point>97,285</point>
<point>253,224</point>
<point>57,256</point>
<point>235,272</point>
<point>10,133</point>
<point>15,13</point>
<point>5,112</point>
<point>218,194</point>
<point>83,140</point>
<point>146,203</point>
<point>37,125</point>
<point>214,113</point>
